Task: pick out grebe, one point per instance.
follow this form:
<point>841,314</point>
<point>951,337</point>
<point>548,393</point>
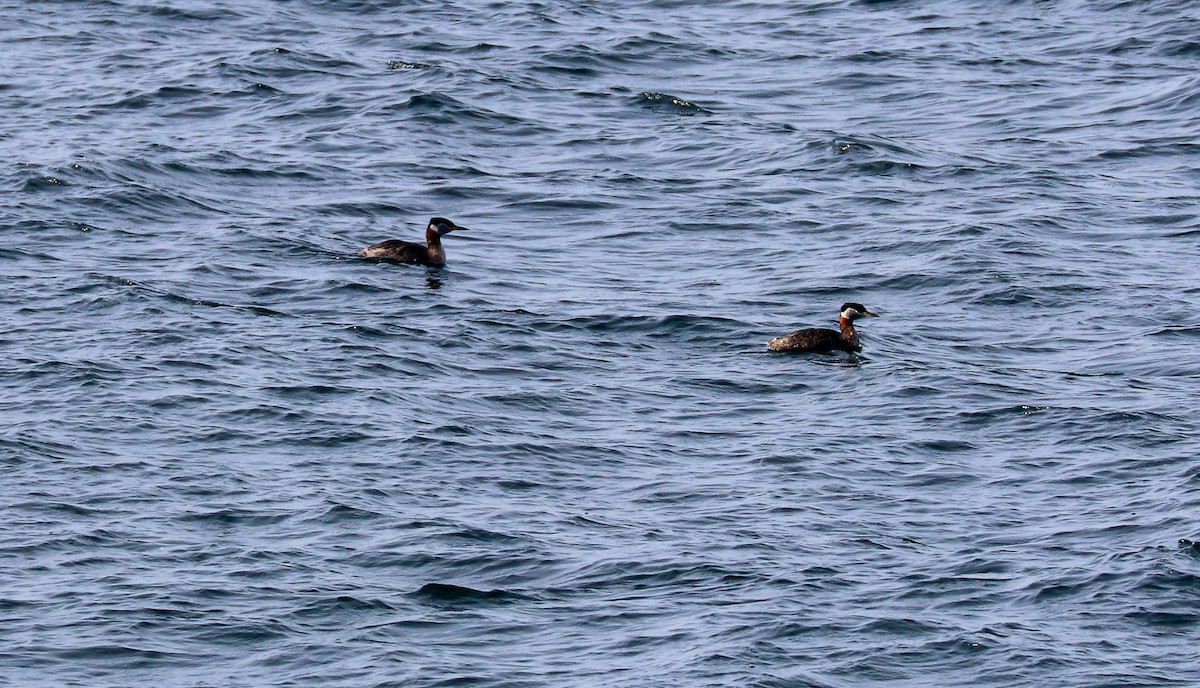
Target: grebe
<point>408,252</point>
<point>822,341</point>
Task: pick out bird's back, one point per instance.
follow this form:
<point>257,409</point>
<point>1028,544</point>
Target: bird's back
<point>813,339</point>
<point>395,249</point>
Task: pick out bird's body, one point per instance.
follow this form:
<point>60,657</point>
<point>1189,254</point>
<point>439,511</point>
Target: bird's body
<point>408,252</point>
<point>431,254</point>
<point>819,340</point>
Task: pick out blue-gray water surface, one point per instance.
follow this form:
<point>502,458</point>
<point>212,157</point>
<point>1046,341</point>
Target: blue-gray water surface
<point>236,454</point>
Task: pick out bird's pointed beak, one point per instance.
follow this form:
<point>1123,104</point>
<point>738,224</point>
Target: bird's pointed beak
<point>869,314</point>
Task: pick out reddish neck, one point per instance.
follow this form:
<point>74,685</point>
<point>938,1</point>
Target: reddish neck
<point>433,238</point>
<point>849,334</point>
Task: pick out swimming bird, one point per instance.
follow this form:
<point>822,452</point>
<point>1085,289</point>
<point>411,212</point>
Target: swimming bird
<point>822,341</point>
<point>432,254</point>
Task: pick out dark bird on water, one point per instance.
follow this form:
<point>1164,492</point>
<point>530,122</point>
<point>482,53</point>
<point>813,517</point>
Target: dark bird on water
<point>431,254</point>
<point>822,341</point>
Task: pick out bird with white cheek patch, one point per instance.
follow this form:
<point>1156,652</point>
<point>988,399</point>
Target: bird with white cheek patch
<point>819,340</point>
<point>431,254</point>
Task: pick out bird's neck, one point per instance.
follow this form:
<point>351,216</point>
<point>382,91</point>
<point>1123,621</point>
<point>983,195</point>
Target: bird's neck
<point>848,331</point>
<point>434,240</point>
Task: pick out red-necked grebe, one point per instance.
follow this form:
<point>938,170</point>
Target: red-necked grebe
<point>822,341</point>
<point>431,254</point>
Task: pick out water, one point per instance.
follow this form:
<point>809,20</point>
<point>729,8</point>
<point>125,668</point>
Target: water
<point>236,454</point>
